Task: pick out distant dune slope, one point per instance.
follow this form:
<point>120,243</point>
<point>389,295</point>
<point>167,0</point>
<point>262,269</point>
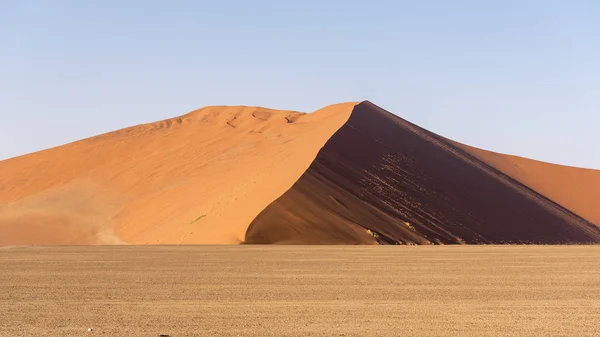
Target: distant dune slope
<point>199,178</point>
<point>407,185</point>
<point>575,188</point>
<point>346,174</point>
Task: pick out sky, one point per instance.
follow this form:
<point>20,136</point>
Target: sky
<point>519,77</point>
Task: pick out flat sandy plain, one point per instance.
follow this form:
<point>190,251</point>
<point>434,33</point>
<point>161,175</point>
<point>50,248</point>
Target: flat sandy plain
<point>300,291</point>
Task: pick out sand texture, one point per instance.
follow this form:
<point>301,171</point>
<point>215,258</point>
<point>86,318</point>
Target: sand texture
<point>246,290</point>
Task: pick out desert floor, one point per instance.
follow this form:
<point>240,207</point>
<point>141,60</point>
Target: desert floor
<point>300,291</point>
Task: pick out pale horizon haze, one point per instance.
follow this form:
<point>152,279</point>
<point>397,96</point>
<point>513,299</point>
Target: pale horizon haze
<point>517,77</point>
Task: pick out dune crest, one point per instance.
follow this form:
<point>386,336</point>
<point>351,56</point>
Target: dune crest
<point>350,173</point>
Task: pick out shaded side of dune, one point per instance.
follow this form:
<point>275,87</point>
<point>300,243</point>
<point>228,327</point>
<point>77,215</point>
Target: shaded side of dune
<point>382,179</point>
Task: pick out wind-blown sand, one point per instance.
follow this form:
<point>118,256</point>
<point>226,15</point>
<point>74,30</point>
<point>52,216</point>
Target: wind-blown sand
<point>347,174</point>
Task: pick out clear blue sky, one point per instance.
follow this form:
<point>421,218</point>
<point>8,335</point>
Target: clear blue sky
<point>520,77</point>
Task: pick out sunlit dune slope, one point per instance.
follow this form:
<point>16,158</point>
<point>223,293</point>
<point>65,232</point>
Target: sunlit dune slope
<point>199,178</point>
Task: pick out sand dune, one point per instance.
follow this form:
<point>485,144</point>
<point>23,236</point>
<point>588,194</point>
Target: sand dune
<point>347,174</point>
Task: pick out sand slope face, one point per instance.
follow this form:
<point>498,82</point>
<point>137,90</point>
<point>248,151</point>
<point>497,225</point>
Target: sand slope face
<point>199,178</point>
<point>575,188</point>
<point>382,179</point>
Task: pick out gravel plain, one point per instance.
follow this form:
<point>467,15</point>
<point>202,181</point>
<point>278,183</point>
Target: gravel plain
<point>251,290</point>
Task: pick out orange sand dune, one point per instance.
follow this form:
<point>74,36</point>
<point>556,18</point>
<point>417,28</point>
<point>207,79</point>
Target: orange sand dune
<point>346,174</point>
